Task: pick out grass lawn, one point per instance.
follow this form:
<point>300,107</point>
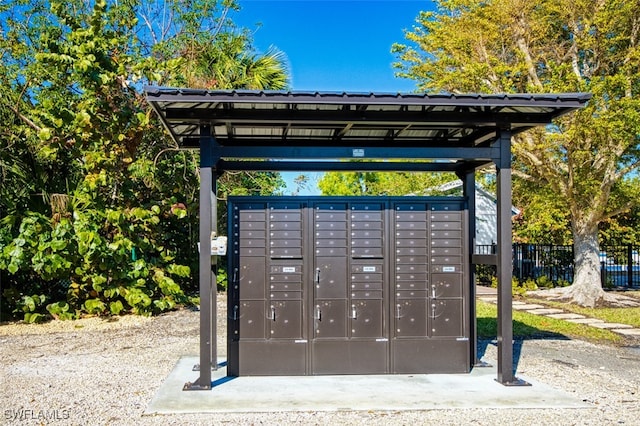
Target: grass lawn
<point>527,326</point>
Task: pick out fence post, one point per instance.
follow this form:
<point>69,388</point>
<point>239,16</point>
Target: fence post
<point>629,266</point>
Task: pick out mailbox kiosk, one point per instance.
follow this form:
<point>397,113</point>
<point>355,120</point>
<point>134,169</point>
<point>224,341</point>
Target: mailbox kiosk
<point>244,130</point>
<point>346,285</point>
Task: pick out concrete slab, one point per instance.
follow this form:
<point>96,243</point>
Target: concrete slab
<point>566,316</point>
<point>588,321</point>
<point>628,331</point>
<point>545,311</point>
<point>354,393</point>
<point>527,306</point>
<point>609,325</point>
<point>489,299</point>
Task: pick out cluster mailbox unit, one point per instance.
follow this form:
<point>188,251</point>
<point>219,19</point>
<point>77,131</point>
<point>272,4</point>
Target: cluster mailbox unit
<point>346,285</point>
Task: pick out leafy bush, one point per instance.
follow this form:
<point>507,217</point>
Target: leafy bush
<point>93,263</point>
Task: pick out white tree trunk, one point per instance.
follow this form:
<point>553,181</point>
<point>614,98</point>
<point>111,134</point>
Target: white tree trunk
<point>586,289</point>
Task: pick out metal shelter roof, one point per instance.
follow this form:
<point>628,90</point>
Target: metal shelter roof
<point>274,119</point>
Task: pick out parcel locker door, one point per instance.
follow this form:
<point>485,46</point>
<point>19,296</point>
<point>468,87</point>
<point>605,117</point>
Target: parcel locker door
<point>410,317</point>
<point>366,318</point>
<point>446,318</point>
<point>285,320</point>
<point>330,319</point>
<point>252,317</point>
<point>330,278</point>
<point>252,277</point>
<point>446,285</point>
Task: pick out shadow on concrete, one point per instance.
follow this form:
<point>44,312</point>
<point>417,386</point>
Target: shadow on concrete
<point>487,336</point>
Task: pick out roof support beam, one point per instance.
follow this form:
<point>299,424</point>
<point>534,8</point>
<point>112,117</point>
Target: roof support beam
<point>341,152</point>
<point>344,166</point>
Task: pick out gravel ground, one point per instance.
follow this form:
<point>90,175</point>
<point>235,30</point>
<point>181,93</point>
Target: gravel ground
<point>102,372</point>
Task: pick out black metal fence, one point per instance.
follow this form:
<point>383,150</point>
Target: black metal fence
<point>619,265</point>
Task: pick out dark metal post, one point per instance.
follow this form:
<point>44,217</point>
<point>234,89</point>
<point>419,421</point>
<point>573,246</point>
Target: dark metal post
<point>207,278</point>
<point>469,192</point>
<point>505,265</point>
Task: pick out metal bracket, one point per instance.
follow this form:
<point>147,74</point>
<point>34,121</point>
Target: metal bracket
<point>514,382</point>
<point>195,386</point>
<point>482,364</point>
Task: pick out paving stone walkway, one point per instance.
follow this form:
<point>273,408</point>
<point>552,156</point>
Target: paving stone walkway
<point>489,295</point>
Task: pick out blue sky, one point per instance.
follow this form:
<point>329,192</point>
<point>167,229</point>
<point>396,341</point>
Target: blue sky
<point>334,45</point>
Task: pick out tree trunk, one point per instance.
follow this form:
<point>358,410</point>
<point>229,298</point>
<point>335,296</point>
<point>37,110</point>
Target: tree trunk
<point>586,289</point>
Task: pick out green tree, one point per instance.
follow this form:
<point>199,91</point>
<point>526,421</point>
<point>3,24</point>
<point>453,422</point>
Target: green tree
<point>383,183</point>
<point>587,158</point>
<point>99,211</point>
